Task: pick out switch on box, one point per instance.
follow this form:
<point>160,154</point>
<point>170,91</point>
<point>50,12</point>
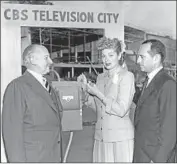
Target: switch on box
<point>70,97</point>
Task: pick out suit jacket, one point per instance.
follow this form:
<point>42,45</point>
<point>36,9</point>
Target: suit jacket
<point>155,121</point>
<point>31,122</point>
<point>116,125</point>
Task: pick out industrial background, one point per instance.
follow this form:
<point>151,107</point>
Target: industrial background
<point>70,48</point>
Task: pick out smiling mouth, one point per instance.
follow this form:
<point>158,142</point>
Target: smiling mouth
<point>107,64</point>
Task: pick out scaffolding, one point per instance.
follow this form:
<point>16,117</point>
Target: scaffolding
<point>73,48</point>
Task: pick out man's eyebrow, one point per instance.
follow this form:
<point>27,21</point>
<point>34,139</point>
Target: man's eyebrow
<point>139,55</point>
<point>110,53</point>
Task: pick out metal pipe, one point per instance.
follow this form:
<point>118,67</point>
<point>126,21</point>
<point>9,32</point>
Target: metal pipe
<point>68,147</point>
<point>40,37</point>
<point>56,73</point>
<point>50,40</point>
<point>84,48</point>
<point>89,32</point>
<point>69,44</point>
<point>92,66</point>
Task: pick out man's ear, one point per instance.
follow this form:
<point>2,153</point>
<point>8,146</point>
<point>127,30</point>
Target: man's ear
<point>119,56</point>
<point>157,58</point>
<point>32,59</point>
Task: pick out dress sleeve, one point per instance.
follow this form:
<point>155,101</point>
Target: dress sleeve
<point>90,99</point>
<point>121,105</point>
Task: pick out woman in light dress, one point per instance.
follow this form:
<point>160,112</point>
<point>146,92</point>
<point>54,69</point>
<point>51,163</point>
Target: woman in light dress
<point>111,99</point>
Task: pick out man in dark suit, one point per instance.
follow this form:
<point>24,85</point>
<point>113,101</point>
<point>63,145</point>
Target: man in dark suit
<point>155,115</point>
<point>31,115</point>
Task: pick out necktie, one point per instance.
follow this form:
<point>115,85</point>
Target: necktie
<point>144,85</point>
<point>47,85</point>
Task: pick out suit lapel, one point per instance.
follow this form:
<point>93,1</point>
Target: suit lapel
<point>147,92</point>
<point>101,84</point>
<point>39,89</point>
<point>109,87</point>
<point>145,95</point>
<point>150,88</point>
<point>55,100</point>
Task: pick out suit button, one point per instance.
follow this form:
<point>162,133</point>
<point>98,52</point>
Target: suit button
<point>102,140</point>
<point>101,128</point>
<point>58,142</point>
<point>101,117</point>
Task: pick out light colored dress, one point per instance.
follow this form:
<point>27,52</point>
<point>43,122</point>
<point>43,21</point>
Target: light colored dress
<point>114,131</point>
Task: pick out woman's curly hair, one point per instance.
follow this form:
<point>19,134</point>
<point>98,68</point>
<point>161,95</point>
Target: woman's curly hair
<point>116,44</point>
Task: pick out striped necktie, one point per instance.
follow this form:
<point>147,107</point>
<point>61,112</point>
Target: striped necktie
<point>47,86</point>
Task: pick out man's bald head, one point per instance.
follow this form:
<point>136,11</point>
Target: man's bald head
<point>32,50</point>
<point>36,57</point>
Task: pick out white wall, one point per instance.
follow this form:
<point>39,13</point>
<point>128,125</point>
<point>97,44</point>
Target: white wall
<point>10,61</point>
<point>156,17</point>
<point>25,38</point>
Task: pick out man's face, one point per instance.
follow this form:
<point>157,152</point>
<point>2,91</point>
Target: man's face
<point>42,61</point>
<point>109,58</point>
<point>145,60</point>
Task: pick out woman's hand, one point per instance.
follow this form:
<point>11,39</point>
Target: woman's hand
<point>92,89</point>
<point>83,80</point>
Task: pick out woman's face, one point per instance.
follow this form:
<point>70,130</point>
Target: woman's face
<point>110,58</point>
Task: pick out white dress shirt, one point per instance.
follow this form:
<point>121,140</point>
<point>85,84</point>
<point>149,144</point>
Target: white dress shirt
<point>38,76</point>
<point>152,74</point>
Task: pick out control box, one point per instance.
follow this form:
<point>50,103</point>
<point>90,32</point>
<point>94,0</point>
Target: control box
<point>71,100</point>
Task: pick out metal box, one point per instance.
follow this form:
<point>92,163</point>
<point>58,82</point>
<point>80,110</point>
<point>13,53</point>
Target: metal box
<point>70,97</point>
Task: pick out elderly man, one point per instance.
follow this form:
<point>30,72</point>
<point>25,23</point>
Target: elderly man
<point>155,114</point>
<point>31,116</point>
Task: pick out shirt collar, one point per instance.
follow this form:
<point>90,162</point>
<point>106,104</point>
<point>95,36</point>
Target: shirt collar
<point>38,76</point>
<point>154,72</point>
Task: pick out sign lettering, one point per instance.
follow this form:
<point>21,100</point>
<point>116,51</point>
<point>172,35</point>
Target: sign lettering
<point>61,16</point>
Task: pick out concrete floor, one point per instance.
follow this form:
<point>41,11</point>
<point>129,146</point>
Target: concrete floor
<point>82,143</point>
